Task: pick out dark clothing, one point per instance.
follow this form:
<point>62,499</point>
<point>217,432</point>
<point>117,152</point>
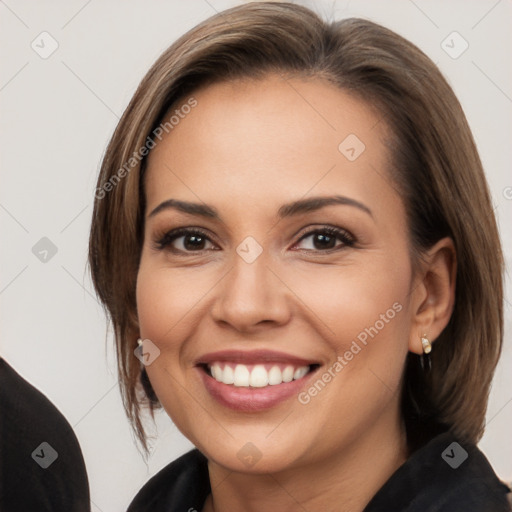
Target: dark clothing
<point>428,481</point>
<point>41,464</point>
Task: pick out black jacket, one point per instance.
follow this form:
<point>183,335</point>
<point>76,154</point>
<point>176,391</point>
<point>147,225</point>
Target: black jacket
<point>436,478</point>
<point>41,463</point>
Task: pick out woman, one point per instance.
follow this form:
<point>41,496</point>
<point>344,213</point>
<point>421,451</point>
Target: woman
<point>294,240</point>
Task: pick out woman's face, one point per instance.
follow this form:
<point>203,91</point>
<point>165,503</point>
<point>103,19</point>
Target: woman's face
<point>298,261</point>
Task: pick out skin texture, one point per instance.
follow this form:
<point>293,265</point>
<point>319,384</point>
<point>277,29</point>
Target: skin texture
<point>247,148</point>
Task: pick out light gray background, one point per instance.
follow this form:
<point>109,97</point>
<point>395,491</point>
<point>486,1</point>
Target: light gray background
<point>57,115</point>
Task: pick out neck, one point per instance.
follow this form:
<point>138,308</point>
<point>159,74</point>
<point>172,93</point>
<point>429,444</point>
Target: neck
<point>345,481</point>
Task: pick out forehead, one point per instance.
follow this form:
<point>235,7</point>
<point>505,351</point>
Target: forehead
<point>270,139</point>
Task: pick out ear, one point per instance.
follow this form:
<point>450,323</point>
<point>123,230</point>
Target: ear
<point>433,295</point>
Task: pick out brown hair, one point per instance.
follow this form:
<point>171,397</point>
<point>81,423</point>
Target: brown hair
<point>435,165</point>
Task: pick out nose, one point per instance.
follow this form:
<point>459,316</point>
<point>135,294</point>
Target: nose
<point>251,296</point>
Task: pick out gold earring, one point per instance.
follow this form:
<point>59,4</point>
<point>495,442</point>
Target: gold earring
<point>427,346</point>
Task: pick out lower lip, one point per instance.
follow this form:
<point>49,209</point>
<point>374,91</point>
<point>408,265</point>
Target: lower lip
<point>248,399</point>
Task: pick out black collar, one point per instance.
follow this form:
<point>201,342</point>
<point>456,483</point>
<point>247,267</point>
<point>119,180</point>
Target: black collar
<point>434,479</point>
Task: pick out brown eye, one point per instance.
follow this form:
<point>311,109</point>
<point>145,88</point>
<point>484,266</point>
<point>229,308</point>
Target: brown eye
<point>185,240</point>
<point>325,239</point>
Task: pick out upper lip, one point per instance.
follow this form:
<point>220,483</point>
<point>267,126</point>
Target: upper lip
<point>253,357</point>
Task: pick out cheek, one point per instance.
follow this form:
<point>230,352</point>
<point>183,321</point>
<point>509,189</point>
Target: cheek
<point>364,316</point>
<point>362,310</point>
<point>168,302</point>
<point>153,299</point>
<point>354,296</point>
<point>166,297</point>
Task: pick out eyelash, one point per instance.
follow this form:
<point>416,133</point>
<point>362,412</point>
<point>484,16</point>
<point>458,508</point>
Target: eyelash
<point>164,241</point>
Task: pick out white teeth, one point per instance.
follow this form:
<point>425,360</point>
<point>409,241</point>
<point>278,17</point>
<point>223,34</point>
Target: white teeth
<point>241,377</point>
<point>300,372</point>
<point>259,377</point>
<point>275,376</point>
<point>217,372</point>
<point>229,375</point>
<point>288,374</point>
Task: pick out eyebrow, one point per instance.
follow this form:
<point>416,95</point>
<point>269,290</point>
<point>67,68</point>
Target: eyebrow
<point>286,210</point>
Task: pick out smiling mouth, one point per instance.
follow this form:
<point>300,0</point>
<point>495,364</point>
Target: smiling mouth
<point>256,375</point>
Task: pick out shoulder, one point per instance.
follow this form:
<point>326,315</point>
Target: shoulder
<point>445,475</point>
<point>181,485</point>
<point>34,434</point>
